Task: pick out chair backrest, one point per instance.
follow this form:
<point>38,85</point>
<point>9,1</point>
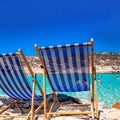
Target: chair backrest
<point>67,67</point>
<point>13,79</point>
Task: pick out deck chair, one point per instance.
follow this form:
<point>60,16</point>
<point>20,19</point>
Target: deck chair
<point>67,69</point>
<point>14,82</point>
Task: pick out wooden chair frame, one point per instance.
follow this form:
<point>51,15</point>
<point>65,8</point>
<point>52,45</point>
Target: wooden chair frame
<point>94,96</point>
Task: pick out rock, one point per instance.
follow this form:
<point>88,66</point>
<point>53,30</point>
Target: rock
<point>63,98</point>
<point>117,105</point>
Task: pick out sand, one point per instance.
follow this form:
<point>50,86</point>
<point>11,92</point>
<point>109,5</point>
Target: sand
<point>105,114</point>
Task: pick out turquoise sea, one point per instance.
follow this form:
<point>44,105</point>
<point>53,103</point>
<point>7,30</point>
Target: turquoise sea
<point>108,86</point>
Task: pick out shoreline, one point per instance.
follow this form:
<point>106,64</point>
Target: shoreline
<point>39,71</point>
<point>104,63</point>
<point>28,74</point>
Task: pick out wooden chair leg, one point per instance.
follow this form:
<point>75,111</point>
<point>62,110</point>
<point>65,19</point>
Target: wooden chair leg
<point>96,100</point>
<point>17,105</point>
<point>7,107</point>
<point>14,102</point>
<point>19,108</point>
<point>32,103</point>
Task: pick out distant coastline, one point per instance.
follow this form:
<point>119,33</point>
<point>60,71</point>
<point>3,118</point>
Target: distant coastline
<point>104,62</point>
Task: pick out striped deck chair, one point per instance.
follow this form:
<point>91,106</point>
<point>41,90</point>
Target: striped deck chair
<point>67,68</point>
<point>14,82</point>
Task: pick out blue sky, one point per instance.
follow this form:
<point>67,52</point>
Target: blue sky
<point>50,22</point>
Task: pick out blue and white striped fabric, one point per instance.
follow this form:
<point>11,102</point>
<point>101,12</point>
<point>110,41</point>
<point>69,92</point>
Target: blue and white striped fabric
<point>13,80</point>
<point>67,67</point>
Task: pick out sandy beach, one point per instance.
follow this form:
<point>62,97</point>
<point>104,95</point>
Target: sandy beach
<point>105,114</point>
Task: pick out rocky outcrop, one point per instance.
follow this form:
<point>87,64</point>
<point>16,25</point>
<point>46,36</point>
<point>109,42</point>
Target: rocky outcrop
<point>104,62</point>
<point>107,62</point>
